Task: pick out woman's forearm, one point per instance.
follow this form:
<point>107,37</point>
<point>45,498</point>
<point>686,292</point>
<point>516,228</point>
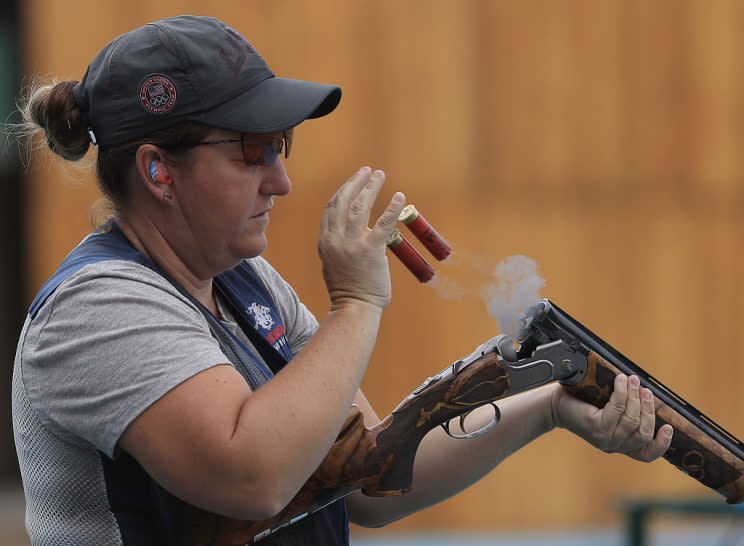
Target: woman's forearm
<point>445,466</point>
<point>303,408</point>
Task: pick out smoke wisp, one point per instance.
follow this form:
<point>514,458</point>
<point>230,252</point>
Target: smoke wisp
<point>517,287</point>
<point>508,288</point>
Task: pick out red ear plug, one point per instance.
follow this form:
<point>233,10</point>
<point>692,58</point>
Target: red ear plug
<point>158,174</point>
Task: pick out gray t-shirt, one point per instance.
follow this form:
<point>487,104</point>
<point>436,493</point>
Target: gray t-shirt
<point>109,342</point>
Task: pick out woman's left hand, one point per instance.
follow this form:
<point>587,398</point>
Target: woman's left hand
<point>624,425</point>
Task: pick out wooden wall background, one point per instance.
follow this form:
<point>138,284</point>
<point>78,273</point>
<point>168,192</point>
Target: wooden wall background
<point>600,137</point>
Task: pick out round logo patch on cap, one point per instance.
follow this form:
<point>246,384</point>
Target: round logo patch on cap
<point>157,94</point>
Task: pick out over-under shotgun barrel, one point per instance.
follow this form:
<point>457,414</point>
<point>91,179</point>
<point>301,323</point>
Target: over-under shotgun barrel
<point>700,447</point>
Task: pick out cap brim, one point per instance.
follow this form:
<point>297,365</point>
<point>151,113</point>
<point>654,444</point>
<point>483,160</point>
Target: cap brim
<point>274,105</point>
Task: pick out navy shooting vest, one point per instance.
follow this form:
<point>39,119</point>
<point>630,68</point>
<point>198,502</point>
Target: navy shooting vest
<point>146,514</point>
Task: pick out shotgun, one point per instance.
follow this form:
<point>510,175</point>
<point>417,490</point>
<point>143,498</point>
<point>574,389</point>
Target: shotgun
<point>379,460</point>
<point>553,347</point>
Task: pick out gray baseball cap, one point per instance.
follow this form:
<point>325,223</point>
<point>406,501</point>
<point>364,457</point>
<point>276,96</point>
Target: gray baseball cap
<point>191,68</point>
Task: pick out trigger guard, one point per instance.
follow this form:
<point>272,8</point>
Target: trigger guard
<point>481,431</point>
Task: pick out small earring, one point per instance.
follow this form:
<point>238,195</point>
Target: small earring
<point>167,196</point>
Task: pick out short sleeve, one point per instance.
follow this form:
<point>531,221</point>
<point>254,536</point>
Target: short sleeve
<point>299,322</point>
<point>112,340</point>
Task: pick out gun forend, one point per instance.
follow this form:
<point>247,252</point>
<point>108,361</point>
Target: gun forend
<point>700,447</point>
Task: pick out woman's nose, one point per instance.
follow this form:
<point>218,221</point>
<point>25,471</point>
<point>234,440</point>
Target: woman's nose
<point>277,181</point>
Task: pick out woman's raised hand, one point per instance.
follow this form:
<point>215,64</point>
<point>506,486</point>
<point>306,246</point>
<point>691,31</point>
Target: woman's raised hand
<point>355,266</point>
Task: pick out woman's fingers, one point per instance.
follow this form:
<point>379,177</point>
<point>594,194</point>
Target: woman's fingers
<point>630,419</point>
<point>626,424</point>
<point>337,208</point>
<point>615,407</point>
<point>633,432</point>
<point>348,211</point>
<point>361,206</point>
<point>387,220</point>
<point>657,447</point>
<point>355,264</point>
<point>643,434</point>
<point>648,416</point>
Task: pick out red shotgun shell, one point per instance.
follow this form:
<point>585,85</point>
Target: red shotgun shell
<point>425,233</point>
<point>410,257</point>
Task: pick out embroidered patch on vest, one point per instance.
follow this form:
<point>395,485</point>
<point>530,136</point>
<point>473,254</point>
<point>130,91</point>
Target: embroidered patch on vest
<point>157,94</point>
<point>262,315</point>
<point>273,331</point>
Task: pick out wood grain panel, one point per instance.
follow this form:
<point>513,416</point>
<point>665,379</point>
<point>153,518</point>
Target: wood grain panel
<point>599,137</point>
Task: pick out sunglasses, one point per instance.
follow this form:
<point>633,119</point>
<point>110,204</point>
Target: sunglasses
<point>257,152</point>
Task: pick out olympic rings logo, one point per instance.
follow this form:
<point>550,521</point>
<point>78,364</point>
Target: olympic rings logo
<point>160,101</point>
<point>163,97</point>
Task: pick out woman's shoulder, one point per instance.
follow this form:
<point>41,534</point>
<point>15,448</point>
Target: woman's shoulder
<point>117,276</point>
<point>113,288</point>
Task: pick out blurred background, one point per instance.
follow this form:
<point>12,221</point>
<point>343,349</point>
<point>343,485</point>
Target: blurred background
<point>599,137</point>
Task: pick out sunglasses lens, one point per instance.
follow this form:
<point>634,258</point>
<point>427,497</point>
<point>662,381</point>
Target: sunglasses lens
<point>265,153</point>
<point>257,153</point>
<point>274,149</point>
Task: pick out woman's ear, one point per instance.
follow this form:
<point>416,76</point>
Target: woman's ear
<point>152,172</point>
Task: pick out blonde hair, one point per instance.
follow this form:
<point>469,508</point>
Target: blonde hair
<point>50,110</point>
<point>50,114</point>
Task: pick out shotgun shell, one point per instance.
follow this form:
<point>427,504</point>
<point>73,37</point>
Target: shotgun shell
<point>410,257</point>
<point>425,233</point>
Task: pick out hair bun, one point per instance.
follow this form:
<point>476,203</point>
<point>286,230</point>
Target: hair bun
<point>52,108</point>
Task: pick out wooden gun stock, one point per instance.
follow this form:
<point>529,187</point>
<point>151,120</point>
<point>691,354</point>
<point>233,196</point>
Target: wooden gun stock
<point>700,447</point>
<point>379,460</point>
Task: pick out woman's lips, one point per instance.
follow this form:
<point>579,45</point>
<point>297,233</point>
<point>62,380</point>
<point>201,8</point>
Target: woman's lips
<point>262,215</point>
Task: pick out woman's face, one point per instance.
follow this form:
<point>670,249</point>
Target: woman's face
<point>224,202</point>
